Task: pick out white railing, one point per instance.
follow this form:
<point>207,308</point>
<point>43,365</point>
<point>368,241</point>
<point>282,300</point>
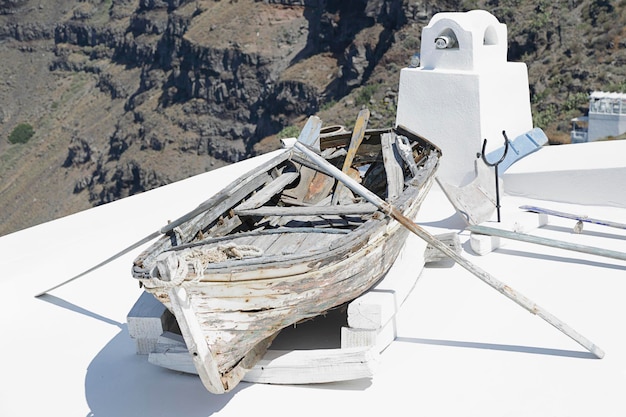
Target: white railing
<point>578,136</point>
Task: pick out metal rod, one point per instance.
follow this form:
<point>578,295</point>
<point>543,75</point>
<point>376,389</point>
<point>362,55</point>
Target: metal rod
<point>495,165</point>
<point>492,231</point>
<point>578,217</point>
<point>423,234</point>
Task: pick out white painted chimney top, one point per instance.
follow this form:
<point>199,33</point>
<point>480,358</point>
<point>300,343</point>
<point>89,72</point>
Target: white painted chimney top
<point>465,41</point>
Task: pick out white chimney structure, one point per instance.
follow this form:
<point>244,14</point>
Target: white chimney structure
<point>464,91</point>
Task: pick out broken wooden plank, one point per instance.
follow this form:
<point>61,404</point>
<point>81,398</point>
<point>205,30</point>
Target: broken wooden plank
<point>393,166</point>
<point>224,226</point>
<point>406,152</point>
<point>270,190</point>
<point>312,188</point>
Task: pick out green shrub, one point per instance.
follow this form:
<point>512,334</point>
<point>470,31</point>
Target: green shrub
<point>365,94</point>
<point>22,133</point>
<point>328,105</point>
<point>542,118</point>
<point>289,132</point>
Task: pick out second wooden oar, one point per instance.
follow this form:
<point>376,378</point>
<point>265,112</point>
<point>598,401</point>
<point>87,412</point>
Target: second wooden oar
<point>358,133</point>
<point>502,288</point>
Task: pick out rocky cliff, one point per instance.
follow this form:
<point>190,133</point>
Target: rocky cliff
<point>128,95</point>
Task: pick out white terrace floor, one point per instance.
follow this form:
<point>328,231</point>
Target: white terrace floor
<point>462,348</point>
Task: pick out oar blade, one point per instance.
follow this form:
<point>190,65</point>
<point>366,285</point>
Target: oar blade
<point>310,133</point>
<point>358,133</point>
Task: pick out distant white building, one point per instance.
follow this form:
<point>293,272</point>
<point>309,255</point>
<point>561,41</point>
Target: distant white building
<point>607,117</point>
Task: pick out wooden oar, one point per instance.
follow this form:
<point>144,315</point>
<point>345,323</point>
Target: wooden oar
<point>393,212</point>
<point>309,134</point>
<point>358,133</point>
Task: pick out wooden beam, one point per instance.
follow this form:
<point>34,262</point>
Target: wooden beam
<point>343,210</point>
<point>280,366</point>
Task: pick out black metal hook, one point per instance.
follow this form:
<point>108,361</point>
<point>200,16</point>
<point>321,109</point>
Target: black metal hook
<point>495,165</point>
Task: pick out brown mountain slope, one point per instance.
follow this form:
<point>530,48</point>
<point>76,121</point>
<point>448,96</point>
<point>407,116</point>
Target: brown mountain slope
<point>128,95</point>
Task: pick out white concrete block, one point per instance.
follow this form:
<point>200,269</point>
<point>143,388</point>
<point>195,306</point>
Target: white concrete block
<point>372,310</point>
<point>147,320</point>
<point>523,222</point>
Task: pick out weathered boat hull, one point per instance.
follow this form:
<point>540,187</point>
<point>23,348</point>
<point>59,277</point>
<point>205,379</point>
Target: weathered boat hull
<point>230,311</point>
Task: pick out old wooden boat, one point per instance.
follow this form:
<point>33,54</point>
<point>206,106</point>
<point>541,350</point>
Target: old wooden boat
<point>284,243</point>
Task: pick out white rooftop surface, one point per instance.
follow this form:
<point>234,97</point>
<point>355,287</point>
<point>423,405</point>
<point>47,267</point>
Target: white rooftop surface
<point>462,348</point>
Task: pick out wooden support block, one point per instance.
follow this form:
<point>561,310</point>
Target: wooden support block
<point>432,254</point>
<point>372,310</point>
<point>483,244</point>
<point>371,317</point>
<point>314,366</point>
<point>147,320</point>
<point>375,339</point>
<point>280,366</point>
<point>351,338</point>
<point>171,352</point>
